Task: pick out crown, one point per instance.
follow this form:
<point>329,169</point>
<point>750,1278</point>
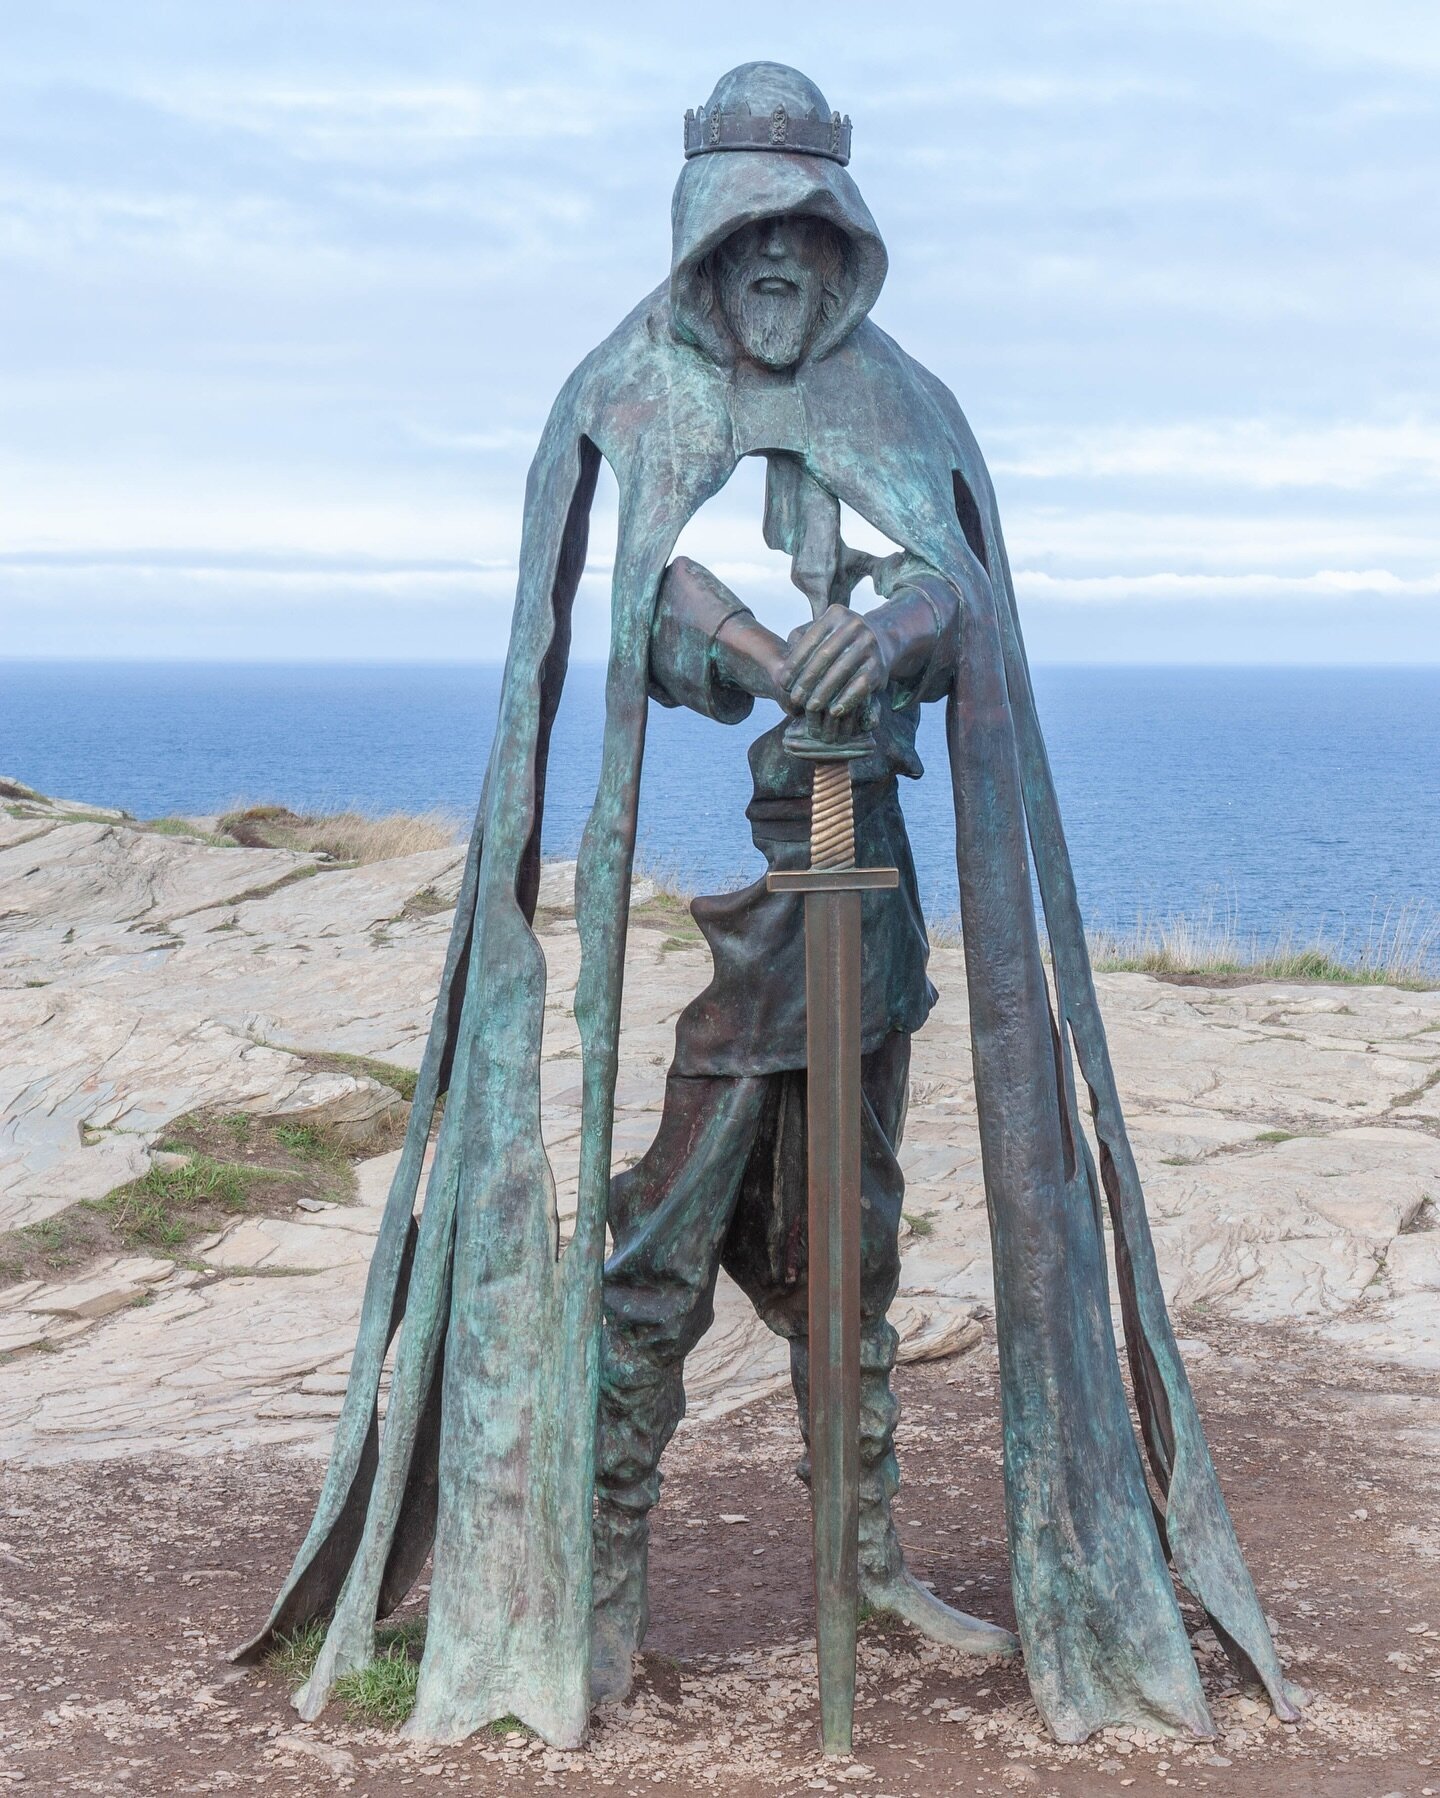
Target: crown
<point>806,135</point>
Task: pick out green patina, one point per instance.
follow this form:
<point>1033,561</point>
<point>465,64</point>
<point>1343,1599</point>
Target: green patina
<point>488,1445</point>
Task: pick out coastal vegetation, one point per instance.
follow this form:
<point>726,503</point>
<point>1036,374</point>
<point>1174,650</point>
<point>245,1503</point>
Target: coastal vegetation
<point>1399,948</point>
<point>209,1169</point>
<point>343,836</point>
<point>347,837</point>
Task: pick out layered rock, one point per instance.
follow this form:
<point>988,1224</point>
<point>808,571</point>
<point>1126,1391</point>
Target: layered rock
<point>1289,1135</point>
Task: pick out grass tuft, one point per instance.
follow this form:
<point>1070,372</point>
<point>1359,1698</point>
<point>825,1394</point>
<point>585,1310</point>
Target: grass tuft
<point>383,1692</point>
<point>388,1073</point>
<point>158,1210</point>
<point>308,1142</point>
<point>920,1223</point>
<point>183,828</point>
<point>294,1656</point>
<point>509,1725</point>
<point>1400,948</point>
<point>344,836</point>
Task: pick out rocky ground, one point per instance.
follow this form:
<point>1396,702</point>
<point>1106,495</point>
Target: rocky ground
<point>165,1404</point>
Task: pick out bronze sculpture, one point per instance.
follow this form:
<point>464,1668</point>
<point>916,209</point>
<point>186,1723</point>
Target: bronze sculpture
<point>510,1350</point>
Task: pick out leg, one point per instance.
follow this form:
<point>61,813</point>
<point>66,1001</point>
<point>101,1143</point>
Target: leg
<point>668,1217</point>
<point>778,1288</point>
<point>885,1582</point>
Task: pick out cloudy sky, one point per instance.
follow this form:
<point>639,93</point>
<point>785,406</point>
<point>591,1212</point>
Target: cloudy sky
<point>286,289</point>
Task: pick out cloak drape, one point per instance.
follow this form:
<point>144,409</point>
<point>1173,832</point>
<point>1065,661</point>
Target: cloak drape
<point>487,1448</point>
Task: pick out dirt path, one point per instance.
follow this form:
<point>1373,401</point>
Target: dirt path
<point>123,1582</point>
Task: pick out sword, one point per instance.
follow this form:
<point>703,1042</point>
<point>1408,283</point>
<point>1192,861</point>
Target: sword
<point>832,886</point>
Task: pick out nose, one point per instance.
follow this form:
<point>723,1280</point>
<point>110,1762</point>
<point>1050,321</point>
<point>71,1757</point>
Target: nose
<point>774,242</point>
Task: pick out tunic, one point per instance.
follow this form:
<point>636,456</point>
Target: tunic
<point>751,1017</point>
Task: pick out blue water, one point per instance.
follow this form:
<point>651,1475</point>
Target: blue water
<point>1295,800</point>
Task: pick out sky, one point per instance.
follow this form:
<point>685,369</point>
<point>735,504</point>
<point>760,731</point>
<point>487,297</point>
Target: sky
<point>287,288</point>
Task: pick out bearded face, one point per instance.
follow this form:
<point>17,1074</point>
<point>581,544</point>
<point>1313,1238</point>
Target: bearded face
<point>774,281</point>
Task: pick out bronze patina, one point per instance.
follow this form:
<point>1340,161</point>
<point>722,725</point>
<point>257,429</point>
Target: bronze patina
<point>534,1388</point>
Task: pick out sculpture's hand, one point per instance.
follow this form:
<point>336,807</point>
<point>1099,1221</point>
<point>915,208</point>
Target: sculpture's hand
<point>832,670</point>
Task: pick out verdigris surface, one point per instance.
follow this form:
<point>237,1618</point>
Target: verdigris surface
<point>759,342</point>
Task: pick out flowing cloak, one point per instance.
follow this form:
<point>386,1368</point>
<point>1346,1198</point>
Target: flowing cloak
<point>487,1449</point>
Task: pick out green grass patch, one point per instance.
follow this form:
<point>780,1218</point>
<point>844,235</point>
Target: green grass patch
<point>53,1246</point>
<point>89,818</point>
<point>508,1726</point>
<point>234,1165</point>
<point>425,904</point>
<point>293,1657</point>
<point>159,1211</point>
<point>308,1142</point>
<point>1277,1136</point>
<point>183,828</point>
<point>1400,947</point>
<point>382,1693</point>
<point>921,1224</point>
<point>332,1061</point>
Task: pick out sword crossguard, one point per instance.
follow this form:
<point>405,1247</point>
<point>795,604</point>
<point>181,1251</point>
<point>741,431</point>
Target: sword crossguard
<point>832,841</point>
<point>830,880</point>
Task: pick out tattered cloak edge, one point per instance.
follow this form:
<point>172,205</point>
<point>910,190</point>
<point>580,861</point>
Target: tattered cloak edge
<point>487,1450</point>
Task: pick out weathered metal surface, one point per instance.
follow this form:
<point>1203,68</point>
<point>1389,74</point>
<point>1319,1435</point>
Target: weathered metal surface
<point>832,880</point>
<point>832,982</point>
<point>833,1110</point>
<point>489,1434</point>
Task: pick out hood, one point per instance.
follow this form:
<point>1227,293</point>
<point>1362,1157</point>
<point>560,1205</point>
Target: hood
<point>721,190</point>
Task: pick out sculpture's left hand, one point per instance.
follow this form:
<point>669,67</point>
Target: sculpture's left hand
<point>833,667</point>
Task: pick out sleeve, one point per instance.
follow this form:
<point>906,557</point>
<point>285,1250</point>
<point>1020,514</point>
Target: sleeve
<point>906,580</point>
<point>684,667</point>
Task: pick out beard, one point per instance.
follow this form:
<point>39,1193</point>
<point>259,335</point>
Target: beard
<point>772,328</point>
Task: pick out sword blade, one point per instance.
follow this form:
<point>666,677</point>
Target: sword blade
<point>832,993</point>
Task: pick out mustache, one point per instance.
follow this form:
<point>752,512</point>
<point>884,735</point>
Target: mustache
<point>745,275</point>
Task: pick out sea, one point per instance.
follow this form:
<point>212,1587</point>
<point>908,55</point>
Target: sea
<point>1284,803</point>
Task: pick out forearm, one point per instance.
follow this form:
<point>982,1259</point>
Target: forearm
<point>747,655</point>
<point>907,629</point>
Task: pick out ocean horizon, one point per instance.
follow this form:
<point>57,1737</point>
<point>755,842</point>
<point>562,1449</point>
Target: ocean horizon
<point>1285,802</point>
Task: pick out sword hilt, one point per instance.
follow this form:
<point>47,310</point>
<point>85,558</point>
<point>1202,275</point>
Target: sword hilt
<point>832,816</point>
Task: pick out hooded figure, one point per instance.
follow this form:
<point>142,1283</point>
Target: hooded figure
<point>508,1350</point>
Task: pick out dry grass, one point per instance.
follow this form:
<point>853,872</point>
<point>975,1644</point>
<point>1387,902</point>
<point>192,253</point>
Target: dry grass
<point>1399,948</point>
<point>345,836</point>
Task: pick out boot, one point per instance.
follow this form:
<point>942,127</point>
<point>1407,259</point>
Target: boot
<point>621,1538</point>
<point>886,1584</point>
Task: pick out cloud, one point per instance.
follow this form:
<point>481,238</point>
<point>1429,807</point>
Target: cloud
<point>370,122</point>
<point>1399,35</point>
<point>282,304</point>
<point>1250,587</point>
<point>1259,453</point>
